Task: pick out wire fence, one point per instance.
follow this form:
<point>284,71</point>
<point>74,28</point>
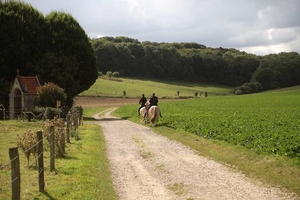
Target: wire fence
<point>57,137</point>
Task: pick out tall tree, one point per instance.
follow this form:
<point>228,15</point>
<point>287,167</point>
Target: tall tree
<point>23,34</point>
<point>70,61</point>
<point>55,47</point>
<point>266,77</point>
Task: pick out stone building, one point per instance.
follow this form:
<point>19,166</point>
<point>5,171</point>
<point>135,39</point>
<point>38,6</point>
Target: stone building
<point>23,94</point>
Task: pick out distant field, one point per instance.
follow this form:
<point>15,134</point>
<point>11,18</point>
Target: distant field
<point>135,87</point>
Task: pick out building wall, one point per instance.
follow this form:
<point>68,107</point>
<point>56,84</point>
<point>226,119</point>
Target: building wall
<point>19,101</point>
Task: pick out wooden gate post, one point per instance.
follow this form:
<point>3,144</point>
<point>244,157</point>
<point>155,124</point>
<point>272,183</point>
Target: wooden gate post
<point>40,161</point>
<point>15,173</point>
<point>52,149</point>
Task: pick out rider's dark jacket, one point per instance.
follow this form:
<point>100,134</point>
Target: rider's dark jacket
<point>142,101</point>
<point>153,101</point>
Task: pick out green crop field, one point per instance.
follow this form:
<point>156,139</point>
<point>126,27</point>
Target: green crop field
<point>135,87</point>
<point>257,134</point>
<point>265,123</point>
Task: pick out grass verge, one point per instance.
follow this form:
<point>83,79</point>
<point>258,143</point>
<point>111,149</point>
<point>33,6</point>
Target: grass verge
<point>82,174</point>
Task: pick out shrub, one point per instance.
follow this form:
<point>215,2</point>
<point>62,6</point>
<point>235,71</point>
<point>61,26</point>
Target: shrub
<point>100,74</point>
<point>109,74</point>
<point>248,88</point>
<point>115,74</point>
<point>28,144</point>
<point>49,94</point>
<point>59,134</point>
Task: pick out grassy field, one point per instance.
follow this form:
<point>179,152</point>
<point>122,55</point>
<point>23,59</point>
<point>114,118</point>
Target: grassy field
<point>82,174</point>
<point>134,88</point>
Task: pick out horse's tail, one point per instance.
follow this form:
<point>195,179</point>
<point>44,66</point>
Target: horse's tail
<point>155,114</point>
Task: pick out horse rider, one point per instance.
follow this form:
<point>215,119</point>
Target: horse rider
<point>153,102</point>
<point>142,103</point>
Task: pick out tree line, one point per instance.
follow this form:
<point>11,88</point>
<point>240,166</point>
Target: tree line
<point>197,63</point>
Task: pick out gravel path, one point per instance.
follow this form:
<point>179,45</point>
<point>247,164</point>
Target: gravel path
<point>145,165</point>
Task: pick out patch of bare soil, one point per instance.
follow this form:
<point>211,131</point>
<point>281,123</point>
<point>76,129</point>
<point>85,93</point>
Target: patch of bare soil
<point>145,165</point>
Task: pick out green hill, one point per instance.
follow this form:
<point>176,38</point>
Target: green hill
<point>164,89</point>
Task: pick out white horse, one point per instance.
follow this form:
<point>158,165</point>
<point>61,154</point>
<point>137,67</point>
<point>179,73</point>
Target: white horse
<point>143,112</point>
<point>153,114</point>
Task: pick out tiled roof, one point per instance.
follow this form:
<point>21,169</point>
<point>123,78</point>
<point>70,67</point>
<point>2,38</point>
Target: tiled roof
<point>30,84</point>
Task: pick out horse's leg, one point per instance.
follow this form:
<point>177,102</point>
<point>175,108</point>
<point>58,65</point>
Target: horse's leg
<point>142,114</point>
<point>157,116</point>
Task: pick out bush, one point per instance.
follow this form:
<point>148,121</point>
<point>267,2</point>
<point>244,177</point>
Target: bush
<point>115,74</point>
<point>59,134</point>
<point>248,88</point>
<point>49,94</point>
<point>27,143</point>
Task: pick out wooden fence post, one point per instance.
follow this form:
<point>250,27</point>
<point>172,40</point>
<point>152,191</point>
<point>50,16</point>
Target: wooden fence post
<point>15,173</point>
<point>68,126</point>
<point>40,161</point>
<point>52,149</point>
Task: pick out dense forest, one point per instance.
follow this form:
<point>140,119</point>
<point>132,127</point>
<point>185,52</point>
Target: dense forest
<point>197,63</point>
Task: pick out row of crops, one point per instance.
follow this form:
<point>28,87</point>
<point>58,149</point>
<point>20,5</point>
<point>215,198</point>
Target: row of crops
<point>266,122</point>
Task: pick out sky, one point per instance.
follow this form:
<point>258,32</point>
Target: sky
<point>255,26</point>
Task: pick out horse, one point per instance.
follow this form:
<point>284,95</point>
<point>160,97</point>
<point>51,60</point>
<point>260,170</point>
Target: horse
<point>154,114</point>
<point>143,112</point>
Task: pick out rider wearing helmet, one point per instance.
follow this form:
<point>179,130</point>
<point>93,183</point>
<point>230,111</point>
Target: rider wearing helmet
<point>153,102</point>
<point>142,103</point>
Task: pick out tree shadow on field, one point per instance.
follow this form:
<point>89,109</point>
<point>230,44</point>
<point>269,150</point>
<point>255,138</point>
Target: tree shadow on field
<point>48,195</point>
<point>67,157</point>
<point>104,119</point>
<point>157,125</point>
<point>90,119</point>
<point>161,124</point>
<point>125,118</point>
<point>112,119</point>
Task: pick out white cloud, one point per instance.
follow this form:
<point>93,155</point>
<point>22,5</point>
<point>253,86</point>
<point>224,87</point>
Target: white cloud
<point>268,25</point>
<point>284,35</point>
<point>279,42</point>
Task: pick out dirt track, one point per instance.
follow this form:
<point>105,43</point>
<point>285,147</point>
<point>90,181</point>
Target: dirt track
<point>145,165</point>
